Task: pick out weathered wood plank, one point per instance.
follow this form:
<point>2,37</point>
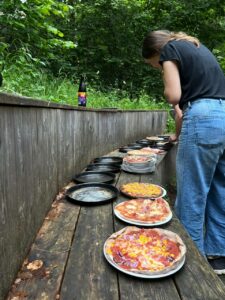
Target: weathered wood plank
<point>88,276</point>
<point>222,278</point>
<point>87,273</point>
<point>196,280</point>
<point>8,190</point>
<point>42,145</point>
<point>52,247</point>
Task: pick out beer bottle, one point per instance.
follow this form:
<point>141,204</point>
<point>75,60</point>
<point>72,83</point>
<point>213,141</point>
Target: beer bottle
<point>82,92</point>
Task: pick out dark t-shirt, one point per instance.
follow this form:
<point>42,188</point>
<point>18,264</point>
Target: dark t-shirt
<point>200,73</point>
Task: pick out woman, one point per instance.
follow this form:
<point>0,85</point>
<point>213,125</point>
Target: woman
<point>195,84</point>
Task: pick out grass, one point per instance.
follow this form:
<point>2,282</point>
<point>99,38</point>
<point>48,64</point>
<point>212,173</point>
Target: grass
<point>24,78</point>
<point>28,81</point>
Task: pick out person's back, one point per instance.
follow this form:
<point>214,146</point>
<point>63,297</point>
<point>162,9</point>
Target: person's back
<point>194,80</point>
<point>200,73</point>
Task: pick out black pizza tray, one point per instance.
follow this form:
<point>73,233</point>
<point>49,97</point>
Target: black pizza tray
<point>125,149</point>
<point>92,176</point>
<point>109,160</point>
<point>165,147</point>
<point>144,142</point>
<point>91,193</point>
<point>103,167</point>
<point>134,145</point>
<point>164,137</point>
<point>138,173</point>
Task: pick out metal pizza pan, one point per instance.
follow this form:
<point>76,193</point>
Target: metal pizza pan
<point>94,176</point>
<point>91,193</point>
<point>103,168</point>
<point>109,160</point>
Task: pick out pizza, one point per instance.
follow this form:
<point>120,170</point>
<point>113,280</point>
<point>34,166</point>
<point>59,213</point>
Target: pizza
<point>153,150</point>
<point>145,251</point>
<point>142,190</point>
<point>154,138</point>
<point>136,159</point>
<point>144,211</point>
<point>144,151</point>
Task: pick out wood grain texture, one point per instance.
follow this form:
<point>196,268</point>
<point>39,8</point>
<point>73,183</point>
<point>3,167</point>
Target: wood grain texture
<point>197,279</point>
<point>42,145</point>
<point>70,245</point>
<point>52,247</point>
<point>88,276</point>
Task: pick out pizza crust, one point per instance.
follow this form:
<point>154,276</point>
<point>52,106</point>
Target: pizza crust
<point>164,233</point>
<point>135,159</point>
<point>161,205</point>
<point>142,152</point>
<point>154,138</point>
<point>135,190</point>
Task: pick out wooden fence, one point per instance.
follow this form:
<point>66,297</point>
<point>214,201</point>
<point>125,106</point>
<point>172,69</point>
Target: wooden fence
<point>42,145</point>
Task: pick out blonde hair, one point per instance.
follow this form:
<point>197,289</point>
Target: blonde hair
<point>155,40</point>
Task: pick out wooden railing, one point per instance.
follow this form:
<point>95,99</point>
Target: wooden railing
<point>42,145</point>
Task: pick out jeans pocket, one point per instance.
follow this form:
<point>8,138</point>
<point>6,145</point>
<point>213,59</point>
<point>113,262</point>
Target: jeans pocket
<point>209,131</point>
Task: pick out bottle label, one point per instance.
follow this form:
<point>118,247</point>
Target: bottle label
<point>82,99</point>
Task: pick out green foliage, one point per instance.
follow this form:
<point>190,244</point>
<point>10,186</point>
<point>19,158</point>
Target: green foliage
<point>33,25</point>
<point>109,36</point>
<point>23,77</point>
<point>103,39</point>
<point>219,53</point>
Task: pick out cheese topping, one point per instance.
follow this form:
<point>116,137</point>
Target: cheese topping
<point>142,189</point>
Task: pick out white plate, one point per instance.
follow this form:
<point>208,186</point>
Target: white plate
<point>144,275</point>
<point>138,170</point>
<point>142,223</point>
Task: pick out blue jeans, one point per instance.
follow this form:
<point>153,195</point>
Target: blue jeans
<point>200,167</point>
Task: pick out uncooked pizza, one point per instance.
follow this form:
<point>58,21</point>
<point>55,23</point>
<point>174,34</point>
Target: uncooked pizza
<point>142,190</point>
<point>147,151</point>
<point>154,138</point>
<point>144,211</point>
<point>144,251</point>
<point>136,159</point>
<point>153,150</point>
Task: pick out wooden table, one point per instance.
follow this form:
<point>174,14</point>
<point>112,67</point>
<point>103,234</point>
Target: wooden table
<point>70,245</point>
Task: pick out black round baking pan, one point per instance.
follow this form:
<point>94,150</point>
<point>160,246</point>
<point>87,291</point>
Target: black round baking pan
<point>91,193</point>
<point>109,160</point>
<point>164,137</point>
<point>144,142</point>
<point>99,163</point>
<point>92,176</point>
<point>165,147</point>
<point>125,149</point>
<point>103,168</point>
<point>134,145</point>
<point>166,144</point>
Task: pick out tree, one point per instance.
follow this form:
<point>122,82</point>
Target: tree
<point>32,26</point>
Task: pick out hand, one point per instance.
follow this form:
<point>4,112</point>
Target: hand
<point>173,138</point>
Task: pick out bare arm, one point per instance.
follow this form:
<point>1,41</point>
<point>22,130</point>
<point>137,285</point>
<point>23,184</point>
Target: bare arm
<point>171,78</point>
<point>172,92</point>
<point>178,123</point>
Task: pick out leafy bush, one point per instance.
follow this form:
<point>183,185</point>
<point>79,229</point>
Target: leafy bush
<point>97,37</point>
<point>23,76</point>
